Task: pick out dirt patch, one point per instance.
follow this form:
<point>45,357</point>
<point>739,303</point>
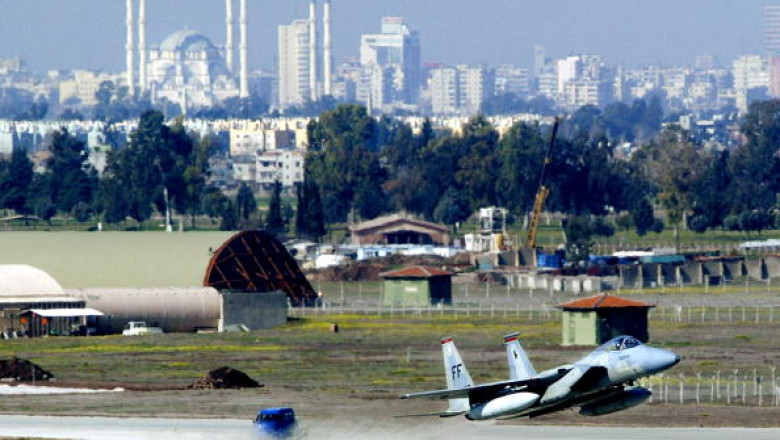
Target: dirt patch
<point>369,270</point>
<point>22,370</point>
<point>225,378</point>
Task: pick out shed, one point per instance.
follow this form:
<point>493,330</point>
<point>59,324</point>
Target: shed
<point>597,319</point>
<point>417,286</point>
<point>399,229</point>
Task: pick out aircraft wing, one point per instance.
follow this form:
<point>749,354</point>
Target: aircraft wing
<point>490,389</point>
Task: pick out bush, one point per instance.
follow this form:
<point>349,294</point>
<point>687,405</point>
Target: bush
<point>603,228</point>
<point>657,226</point>
<point>699,223</point>
<point>731,223</point>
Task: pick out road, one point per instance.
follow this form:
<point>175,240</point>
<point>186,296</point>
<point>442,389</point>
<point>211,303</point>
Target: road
<point>91,428</point>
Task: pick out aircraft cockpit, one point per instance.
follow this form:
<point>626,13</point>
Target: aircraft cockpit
<point>621,343</point>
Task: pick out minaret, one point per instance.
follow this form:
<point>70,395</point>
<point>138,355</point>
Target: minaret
<point>243,52</point>
<point>142,46</point>
<point>130,48</point>
<point>230,22</point>
<point>327,62</point>
<point>313,49</point>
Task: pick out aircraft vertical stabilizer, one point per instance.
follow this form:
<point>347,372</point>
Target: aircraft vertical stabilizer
<point>457,376</point>
<point>520,367</point>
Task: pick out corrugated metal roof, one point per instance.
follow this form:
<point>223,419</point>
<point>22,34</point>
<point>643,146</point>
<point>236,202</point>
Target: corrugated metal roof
<point>601,302</point>
<point>20,280</point>
<point>414,272</point>
<point>388,219</point>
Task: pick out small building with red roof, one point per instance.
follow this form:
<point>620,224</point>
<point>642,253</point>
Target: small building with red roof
<point>597,319</point>
<point>416,286</point>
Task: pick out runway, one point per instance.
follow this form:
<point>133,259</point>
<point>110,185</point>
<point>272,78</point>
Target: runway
<point>96,428</point>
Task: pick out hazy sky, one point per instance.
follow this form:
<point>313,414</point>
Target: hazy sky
<point>91,33</point>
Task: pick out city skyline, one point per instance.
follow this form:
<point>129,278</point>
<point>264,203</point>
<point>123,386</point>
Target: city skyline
<point>630,32</point>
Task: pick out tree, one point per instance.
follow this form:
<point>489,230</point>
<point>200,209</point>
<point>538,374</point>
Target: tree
<point>81,212</point>
<point>343,158</point>
<point>309,218</point>
<point>229,218</point>
<point>452,208</point>
<point>16,181</point>
<point>642,216</point>
<point>71,178</point>
<point>274,222</point>
<point>755,166</point>
<point>477,168</point>
<point>579,240</point>
<point>675,165</point>
<point>521,153</point>
<point>245,202</point>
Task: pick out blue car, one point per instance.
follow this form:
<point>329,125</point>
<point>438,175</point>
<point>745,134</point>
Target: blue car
<point>277,422</point>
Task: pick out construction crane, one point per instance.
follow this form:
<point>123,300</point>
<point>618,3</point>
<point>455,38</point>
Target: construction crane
<point>541,193</point>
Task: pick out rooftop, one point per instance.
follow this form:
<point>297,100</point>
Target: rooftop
<point>415,272</point>
<point>602,302</point>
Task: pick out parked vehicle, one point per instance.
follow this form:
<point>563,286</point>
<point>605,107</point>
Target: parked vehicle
<point>276,422</point>
<point>140,328</point>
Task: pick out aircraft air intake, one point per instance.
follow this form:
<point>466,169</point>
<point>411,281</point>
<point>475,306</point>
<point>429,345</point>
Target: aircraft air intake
<point>625,400</point>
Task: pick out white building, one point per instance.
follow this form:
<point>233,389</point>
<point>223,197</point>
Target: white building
<point>188,69</point>
<point>444,91</point>
<point>248,141</point>
<point>392,62</point>
<point>460,90</point>
<point>294,63</point>
<point>751,77</point>
<point>81,88</point>
<point>476,84</point>
<point>513,79</point>
<point>286,166</point>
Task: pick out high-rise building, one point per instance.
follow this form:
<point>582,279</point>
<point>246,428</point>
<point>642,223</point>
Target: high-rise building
<point>513,79</point>
<point>751,80</point>
<point>444,90</point>
<point>393,57</point>
<point>772,30</point>
<point>476,84</point>
<point>294,63</point>
<point>460,90</point>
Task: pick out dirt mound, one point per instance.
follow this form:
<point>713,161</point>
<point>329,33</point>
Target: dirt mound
<point>225,378</point>
<point>369,270</point>
<point>21,370</point>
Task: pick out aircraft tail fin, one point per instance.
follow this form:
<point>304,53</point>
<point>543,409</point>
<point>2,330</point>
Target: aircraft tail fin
<point>520,367</point>
<point>457,375</point>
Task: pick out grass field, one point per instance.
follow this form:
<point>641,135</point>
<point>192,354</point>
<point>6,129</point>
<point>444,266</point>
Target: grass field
<point>360,371</point>
<point>115,259</point>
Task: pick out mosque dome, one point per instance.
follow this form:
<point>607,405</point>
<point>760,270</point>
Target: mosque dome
<point>187,40</point>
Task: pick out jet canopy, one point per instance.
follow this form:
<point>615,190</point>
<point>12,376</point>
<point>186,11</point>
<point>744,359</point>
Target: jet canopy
<point>620,343</point>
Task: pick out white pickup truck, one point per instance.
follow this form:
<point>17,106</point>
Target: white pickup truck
<point>140,328</point>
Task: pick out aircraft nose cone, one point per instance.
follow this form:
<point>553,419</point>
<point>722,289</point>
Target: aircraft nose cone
<point>660,360</point>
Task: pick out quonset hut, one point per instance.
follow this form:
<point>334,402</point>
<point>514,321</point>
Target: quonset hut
<point>32,302</point>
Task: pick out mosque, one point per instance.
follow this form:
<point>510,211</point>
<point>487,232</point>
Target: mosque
<point>188,69</point>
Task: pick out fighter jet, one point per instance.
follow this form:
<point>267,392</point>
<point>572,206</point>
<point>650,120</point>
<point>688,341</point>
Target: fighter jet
<point>600,383</point>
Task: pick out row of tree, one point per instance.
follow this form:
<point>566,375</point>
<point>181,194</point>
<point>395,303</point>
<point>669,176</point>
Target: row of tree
<point>162,169</point>
<point>366,167</point>
<point>361,167</point>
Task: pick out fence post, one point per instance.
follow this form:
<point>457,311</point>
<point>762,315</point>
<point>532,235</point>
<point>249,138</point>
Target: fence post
<point>682,388</point>
<point>698,388</point>
<point>717,386</point>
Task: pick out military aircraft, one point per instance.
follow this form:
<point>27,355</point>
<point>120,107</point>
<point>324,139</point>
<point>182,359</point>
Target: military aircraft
<point>600,383</point>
